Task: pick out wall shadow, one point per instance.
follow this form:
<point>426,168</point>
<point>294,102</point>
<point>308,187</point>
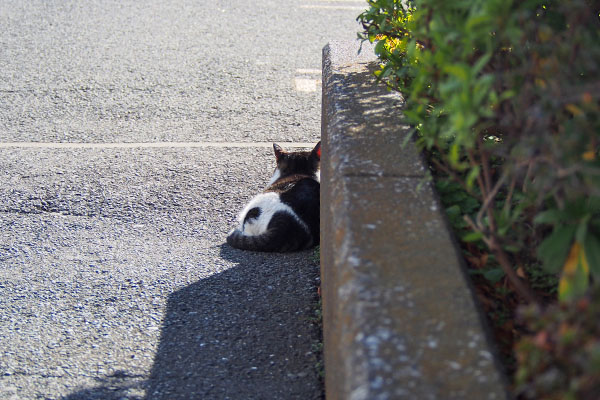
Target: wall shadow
<point>245,333</point>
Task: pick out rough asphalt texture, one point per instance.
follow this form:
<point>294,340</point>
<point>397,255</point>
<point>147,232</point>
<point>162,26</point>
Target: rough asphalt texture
<point>115,282</point>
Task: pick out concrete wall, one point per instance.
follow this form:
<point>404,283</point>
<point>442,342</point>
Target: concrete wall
<point>400,320</point>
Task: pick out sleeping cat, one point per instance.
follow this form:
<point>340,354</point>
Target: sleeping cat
<point>285,217</point>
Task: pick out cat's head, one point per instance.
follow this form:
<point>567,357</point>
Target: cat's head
<point>296,162</point>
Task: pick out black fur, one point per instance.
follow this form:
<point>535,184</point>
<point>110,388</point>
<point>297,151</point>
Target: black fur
<point>284,233</point>
<point>304,199</point>
<point>252,214</point>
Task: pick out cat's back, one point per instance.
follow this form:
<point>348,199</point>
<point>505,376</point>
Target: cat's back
<point>302,195</point>
<point>296,190</point>
<point>305,191</point>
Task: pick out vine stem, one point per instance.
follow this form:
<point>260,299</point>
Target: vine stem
<point>488,199</point>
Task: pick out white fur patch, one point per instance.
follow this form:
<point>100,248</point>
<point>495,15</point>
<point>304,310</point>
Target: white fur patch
<point>269,204</point>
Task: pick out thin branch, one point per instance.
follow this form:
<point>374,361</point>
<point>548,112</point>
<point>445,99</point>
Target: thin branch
<point>519,285</point>
<point>490,197</point>
<point>511,190</point>
<point>527,175</point>
<point>485,164</point>
<point>476,228</point>
<point>485,192</point>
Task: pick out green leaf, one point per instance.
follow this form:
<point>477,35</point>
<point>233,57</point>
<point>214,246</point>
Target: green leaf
<point>507,94</point>
<point>473,174</point>
<point>593,204</point>
<point>453,210</point>
<point>482,62</point>
<point>454,154</point>
<point>472,237</point>
<point>512,248</point>
<point>554,249</point>
<point>551,217</point>
<point>460,71</point>
<point>591,247</point>
<point>577,209</point>
<point>582,229</point>
<point>494,275</point>
<point>480,20</point>
<point>380,47</point>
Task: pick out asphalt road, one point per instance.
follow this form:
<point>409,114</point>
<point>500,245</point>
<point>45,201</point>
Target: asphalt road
<point>115,281</point>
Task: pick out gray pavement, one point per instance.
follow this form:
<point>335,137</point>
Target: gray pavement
<point>115,282</point>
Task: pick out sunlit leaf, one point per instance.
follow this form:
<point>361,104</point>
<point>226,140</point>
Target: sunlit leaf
<point>473,174</point>
<point>575,275</point>
<point>472,237</point>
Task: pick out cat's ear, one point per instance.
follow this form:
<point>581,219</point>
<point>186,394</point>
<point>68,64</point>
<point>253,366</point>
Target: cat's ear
<point>278,151</point>
<point>316,152</point>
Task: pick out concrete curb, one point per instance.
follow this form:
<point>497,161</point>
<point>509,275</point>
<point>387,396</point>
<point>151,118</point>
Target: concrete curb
<point>400,319</point>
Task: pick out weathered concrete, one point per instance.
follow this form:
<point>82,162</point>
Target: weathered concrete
<point>400,320</point>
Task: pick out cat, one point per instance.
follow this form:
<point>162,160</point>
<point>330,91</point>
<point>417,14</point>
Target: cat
<point>285,217</point>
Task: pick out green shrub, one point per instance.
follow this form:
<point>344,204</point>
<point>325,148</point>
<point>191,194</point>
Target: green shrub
<point>504,96</point>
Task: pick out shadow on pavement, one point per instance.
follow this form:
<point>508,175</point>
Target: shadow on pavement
<point>117,386</point>
<point>245,333</point>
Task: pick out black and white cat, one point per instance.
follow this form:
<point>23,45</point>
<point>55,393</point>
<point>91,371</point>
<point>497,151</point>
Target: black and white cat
<point>285,217</point>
